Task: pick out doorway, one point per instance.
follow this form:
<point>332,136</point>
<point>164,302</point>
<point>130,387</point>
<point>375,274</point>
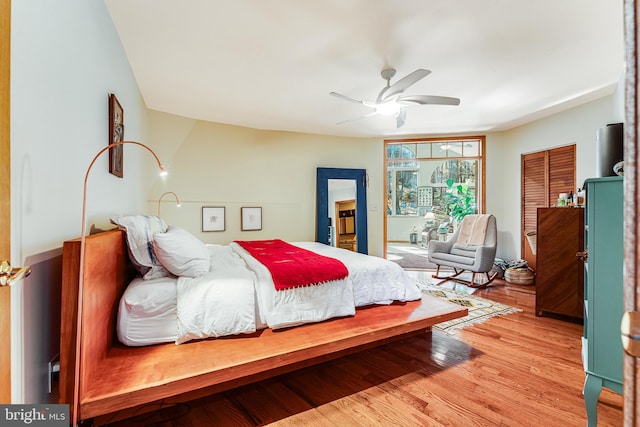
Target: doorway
<point>345,224</point>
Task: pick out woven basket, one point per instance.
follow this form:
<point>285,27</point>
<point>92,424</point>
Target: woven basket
<point>532,238</point>
<point>519,276</point>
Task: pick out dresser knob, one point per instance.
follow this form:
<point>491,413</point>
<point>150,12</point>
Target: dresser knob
<point>583,255</point>
<point>630,331</point>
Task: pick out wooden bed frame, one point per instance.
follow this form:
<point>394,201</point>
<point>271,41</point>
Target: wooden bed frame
<point>114,377</point>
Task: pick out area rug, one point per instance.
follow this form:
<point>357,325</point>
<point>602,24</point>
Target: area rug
<point>410,257</point>
<point>480,309</point>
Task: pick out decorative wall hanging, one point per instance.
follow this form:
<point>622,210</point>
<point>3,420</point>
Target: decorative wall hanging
<point>213,218</point>
<point>251,218</point>
<point>425,196</point>
<point>116,134</point>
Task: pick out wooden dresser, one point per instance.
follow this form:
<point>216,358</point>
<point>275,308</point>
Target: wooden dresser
<point>559,272</point>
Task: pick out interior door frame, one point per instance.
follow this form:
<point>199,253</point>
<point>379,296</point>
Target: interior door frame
<point>323,175</point>
<point>5,199</point>
<point>631,374</point>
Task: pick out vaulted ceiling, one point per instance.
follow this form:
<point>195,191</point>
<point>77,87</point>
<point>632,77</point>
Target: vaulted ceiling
<point>271,64</point>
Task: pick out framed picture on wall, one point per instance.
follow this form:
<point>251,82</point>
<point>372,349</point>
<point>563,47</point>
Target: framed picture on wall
<point>251,218</point>
<point>425,196</point>
<point>213,218</point>
<point>116,134</point>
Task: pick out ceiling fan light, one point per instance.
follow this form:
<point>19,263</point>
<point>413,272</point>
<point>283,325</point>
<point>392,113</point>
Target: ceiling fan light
<point>390,108</point>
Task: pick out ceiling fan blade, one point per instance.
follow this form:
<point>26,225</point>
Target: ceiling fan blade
<point>400,118</point>
<point>345,98</point>
<point>371,114</point>
<point>402,84</point>
<point>428,99</point>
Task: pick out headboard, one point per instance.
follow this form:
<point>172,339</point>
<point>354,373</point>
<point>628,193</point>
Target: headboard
<point>107,263</point>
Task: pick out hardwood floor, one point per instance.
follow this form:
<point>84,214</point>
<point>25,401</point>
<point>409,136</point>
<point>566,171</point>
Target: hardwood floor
<point>514,370</point>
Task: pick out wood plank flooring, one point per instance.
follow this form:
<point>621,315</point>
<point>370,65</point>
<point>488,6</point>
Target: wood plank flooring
<point>514,370</point>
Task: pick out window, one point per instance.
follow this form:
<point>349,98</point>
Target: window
<point>420,172</point>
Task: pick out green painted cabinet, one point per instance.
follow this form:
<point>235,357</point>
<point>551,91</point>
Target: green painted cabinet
<point>603,268</point>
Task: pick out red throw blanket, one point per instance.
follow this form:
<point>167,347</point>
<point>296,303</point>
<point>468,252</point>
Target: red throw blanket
<point>291,266</point>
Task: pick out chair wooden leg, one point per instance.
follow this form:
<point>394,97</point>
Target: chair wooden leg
<point>490,279</point>
<point>454,276</point>
<point>470,283</point>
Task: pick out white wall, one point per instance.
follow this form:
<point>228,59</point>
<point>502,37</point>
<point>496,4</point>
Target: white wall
<point>578,126</point>
<point>66,58</point>
<point>232,166</point>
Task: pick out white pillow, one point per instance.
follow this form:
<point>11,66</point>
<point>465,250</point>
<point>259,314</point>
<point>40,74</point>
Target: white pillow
<point>181,252</point>
<point>140,230</point>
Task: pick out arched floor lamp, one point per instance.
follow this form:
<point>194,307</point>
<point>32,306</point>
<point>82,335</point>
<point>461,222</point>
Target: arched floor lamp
<point>83,236</point>
<point>164,194</point>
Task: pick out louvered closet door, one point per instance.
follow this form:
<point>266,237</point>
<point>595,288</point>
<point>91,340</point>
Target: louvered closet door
<point>534,196</point>
<point>545,175</point>
<point>562,172</point>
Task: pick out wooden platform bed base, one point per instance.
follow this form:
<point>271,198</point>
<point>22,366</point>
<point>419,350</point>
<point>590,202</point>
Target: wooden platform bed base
<point>114,377</point>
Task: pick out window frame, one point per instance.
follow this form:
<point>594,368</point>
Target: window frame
<point>480,157</point>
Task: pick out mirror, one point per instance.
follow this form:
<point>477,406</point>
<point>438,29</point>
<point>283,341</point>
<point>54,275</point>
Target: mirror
<point>342,214</point>
<point>341,203</point>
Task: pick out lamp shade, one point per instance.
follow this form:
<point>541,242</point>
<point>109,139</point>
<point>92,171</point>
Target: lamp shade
<point>430,219</point>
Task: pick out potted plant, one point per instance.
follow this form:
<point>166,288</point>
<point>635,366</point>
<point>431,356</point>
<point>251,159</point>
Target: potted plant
<point>413,236</point>
<point>459,200</point>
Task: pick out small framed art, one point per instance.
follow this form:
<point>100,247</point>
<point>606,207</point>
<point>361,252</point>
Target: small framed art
<point>116,134</point>
<point>251,218</point>
<point>425,196</point>
<point>213,218</point>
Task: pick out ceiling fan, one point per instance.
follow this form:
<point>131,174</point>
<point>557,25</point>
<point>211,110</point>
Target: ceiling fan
<point>391,101</point>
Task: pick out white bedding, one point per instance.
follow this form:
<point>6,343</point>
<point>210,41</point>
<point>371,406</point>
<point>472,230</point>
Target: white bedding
<point>296,306</point>
<point>374,280</point>
<point>219,303</point>
<point>147,312</point>
<point>238,296</point>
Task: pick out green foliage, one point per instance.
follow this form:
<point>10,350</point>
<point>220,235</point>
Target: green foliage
<point>460,200</point>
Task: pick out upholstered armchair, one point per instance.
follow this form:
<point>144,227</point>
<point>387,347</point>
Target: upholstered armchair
<point>471,248</point>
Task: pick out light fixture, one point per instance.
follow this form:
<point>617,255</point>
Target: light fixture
<point>164,194</point>
<point>389,108</point>
<point>83,237</point>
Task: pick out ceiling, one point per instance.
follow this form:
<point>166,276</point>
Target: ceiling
<point>270,64</point>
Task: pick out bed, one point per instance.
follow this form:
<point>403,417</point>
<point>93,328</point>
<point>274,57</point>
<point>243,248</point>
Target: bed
<point>113,377</point>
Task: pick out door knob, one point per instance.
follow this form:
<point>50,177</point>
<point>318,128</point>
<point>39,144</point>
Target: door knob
<point>583,255</point>
<point>8,275</point>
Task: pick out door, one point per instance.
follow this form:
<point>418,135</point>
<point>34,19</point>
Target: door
<point>631,375</point>
<point>534,184</point>
<point>5,201</point>
<point>545,174</point>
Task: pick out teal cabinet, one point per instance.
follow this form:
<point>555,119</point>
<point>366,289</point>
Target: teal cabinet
<point>603,268</point>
